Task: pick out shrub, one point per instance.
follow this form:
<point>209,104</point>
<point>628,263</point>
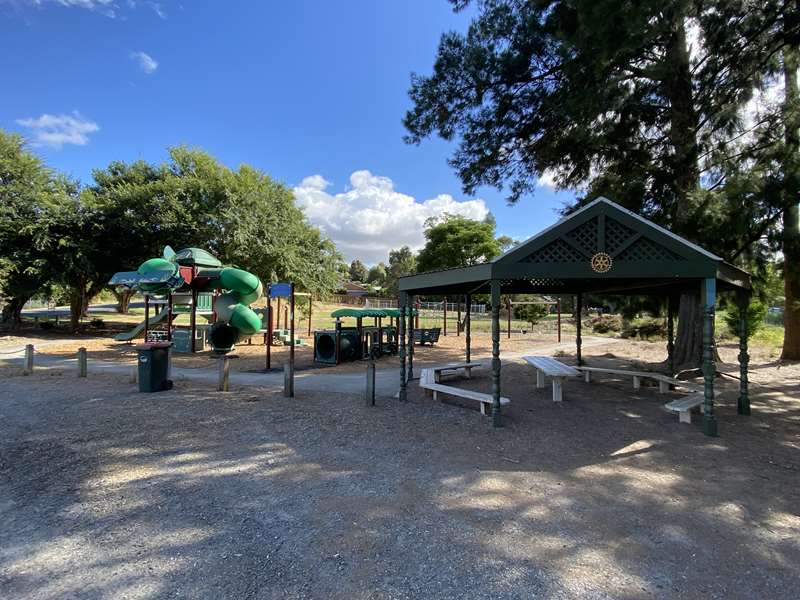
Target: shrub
<point>756,313</point>
<point>47,325</point>
<point>644,329</point>
<point>97,323</point>
<point>604,323</point>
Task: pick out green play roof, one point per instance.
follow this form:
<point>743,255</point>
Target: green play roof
<point>365,312</point>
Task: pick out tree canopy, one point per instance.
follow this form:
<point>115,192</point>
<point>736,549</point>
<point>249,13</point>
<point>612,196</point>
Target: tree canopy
<point>455,241</point>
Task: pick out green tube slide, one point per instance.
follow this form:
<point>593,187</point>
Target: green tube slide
<point>234,317</point>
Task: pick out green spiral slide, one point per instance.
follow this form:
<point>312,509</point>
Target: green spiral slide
<point>234,317</point>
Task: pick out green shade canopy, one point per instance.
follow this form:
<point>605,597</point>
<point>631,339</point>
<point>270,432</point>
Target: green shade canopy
<point>358,313</point>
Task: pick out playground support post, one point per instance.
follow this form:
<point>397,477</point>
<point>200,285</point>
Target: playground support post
<point>82,366</point>
<point>169,317</point>
<point>147,318</point>
<point>193,321</point>
<point>268,365</point>
<point>28,369</point>
<point>291,343</point>
<point>278,315</point>
<point>310,307</point>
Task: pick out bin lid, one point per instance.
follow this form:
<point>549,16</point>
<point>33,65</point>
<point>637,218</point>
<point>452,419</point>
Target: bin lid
<point>151,345</point>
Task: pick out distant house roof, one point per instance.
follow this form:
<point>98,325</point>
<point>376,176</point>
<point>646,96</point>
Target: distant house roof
<point>352,287</point>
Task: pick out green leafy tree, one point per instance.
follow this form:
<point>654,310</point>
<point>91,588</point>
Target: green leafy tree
<point>377,275</point>
<point>358,272</point>
<point>756,313</point>
<point>456,241</point>
<point>402,262</point>
<point>29,192</point>
<point>532,313</point>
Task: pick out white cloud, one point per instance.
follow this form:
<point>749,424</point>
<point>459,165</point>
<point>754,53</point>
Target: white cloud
<point>370,217</point>
<point>108,8</point>
<point>548,179</point>
<point>56,130</point>
<point>146,62</point>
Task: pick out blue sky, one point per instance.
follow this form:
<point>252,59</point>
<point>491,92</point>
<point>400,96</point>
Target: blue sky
<point>310,91</point>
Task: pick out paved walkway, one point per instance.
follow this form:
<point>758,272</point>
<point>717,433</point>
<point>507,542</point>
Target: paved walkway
<point>386,380</point>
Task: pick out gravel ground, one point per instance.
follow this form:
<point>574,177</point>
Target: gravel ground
<point>107,493</point>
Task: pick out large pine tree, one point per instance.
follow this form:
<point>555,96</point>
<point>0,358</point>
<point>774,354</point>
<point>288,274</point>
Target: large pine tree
<point>630,100</point>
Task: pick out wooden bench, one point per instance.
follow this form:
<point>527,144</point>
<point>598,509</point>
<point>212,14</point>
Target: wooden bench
<point>664,381</point>
<point>427,381</point>
<point>549,367</point>
<point>454,367</point>
<point>683,406</point>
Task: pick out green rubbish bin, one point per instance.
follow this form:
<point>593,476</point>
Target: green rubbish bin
<point>154,367</point>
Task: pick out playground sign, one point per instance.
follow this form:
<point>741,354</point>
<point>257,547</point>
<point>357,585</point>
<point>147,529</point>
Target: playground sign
<point>280,290</point>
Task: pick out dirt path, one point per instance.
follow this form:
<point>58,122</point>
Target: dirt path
<point>107,493</point>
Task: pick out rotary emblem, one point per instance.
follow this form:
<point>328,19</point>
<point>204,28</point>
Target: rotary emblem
<point>601,263</point>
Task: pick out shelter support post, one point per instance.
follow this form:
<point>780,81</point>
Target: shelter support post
<point>467,325</point>
<point>558,318</point>
<point>458,317</point>
<point>410,337</point>
<point>509,308</point>
<point>709,298</point>
<point>578,340</point>
<point>671,335</point>
<point>744,358</point>
<point>496,416</point>
<point>401,335</point>
<point>444,316</point>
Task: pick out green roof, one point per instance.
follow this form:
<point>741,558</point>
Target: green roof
<point>366,312</point>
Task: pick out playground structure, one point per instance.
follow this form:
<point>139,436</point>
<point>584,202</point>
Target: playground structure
<point>194,281</point>
<point>341,344</point>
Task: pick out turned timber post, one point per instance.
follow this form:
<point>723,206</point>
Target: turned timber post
<point>467,324</point>
<point>671,335</point>
<point>410,337</point>
<point>496,416</point>
<point>709,298</point>
<point>401,338</point>
<point>743,406</point>
<point>578,340</point>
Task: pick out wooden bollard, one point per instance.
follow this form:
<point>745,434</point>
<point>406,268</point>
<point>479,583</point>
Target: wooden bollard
<point>224,374</point>
<point>82,362</point>
<point>288,380</point>
<point>370,396</point>
<point>134,374</point>
<point>28,369</point>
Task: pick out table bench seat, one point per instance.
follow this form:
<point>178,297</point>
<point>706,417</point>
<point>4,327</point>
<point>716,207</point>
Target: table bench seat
<point>549,367</point>
<point>427,381</point>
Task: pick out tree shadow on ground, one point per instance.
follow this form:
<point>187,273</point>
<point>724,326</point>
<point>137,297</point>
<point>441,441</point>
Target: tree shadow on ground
<point>107,492</point>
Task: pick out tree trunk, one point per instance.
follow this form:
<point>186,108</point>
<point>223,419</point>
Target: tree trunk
<point>686,175</point>
<point>12,311</point>
<point>76,303</point>
<point>791,213</point>
<point>123,301</point>
<point>689,337</point>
